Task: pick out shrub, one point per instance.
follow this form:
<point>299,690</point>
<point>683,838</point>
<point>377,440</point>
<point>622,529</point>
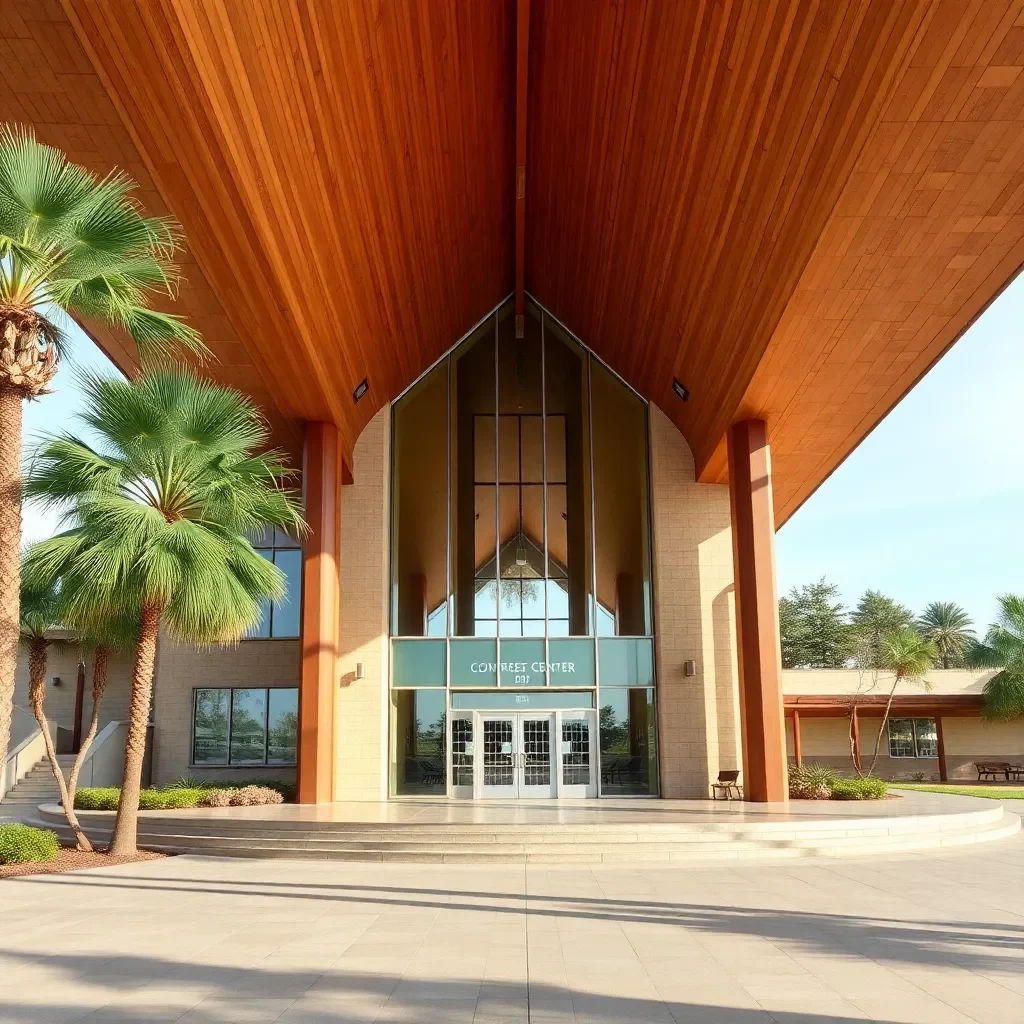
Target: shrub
<point>286,789</point>
<point>218,798</point>
<point>868,788</point>
<point>22,844</point>
<point>97,799</point>
<point>812,781</point>
<point>255,796</point>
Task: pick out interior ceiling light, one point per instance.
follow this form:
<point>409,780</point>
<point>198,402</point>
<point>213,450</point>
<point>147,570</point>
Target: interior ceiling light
<point>361,388</point>
<point>520,551</point>
<point>680,389</point>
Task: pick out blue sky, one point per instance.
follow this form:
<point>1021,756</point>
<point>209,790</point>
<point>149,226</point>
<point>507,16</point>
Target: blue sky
<point>927,508</point>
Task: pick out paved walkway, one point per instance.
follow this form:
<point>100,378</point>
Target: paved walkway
<point>926,938</point>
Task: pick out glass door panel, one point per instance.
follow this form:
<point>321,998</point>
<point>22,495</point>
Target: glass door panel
<point>462,749</point>
<point>536,778</point>
<point>576,752</point>
<point>498,764</point>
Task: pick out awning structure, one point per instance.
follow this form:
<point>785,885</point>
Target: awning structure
<point>793,209</point>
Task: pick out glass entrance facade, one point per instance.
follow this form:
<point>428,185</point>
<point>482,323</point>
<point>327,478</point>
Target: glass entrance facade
<point>521,571</point>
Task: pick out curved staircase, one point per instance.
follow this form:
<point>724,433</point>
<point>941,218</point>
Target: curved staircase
<point>202,832</point>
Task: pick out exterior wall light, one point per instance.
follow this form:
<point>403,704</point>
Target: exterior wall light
<point>689,668</point>
<point>361,388</point>
<point>680,389</point>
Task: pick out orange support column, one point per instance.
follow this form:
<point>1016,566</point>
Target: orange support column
<point>798,754</point>
<point>321,606</point>
<point>757,612</point>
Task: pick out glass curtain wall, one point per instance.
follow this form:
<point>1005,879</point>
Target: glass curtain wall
<point>520,535</point>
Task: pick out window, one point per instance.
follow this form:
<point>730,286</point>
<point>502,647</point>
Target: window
<point>913,737</point>
<point>245,726</point>
<point>282,618</point>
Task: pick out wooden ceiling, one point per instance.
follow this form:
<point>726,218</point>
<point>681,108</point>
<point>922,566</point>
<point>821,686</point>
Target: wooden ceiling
<point>794,207</point>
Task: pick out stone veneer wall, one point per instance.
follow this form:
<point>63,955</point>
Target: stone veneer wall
<point>361,708</point>
<point>180,668</point>
<point>698,716</point>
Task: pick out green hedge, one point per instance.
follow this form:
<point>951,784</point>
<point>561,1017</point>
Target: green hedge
<point>868,788</point>
<point>22,844</point>
<point>149,799</point>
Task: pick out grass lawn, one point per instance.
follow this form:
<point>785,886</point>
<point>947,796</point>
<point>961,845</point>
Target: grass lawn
<point>989,792</point>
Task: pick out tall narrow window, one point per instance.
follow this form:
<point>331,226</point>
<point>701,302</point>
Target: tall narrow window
<point>280,619</point>
<point>419,584</point>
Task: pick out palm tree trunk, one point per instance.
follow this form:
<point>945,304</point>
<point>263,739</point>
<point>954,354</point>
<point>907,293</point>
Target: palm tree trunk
<point>100,665</point>
<point>126,826</point>
<point>36,698</point>
<point>885,720</point>
<point>10,556</point>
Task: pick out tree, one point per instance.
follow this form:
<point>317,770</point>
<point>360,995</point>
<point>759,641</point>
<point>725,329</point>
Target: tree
<point>874,619</point>
<point>159,515</point>
<point>1003,648</point>
<point>948,627</point>
<point>71,244</point>
<point>39,612</point>
<point>908,656</point>
<point>102,638</point>
<point>813,629</point>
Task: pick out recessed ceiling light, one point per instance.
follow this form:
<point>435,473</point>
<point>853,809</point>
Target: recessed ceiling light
<point>680,390</point>
<point>361,388</point>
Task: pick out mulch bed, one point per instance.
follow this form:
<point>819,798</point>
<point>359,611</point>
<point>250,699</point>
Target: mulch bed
<point>74,860</point>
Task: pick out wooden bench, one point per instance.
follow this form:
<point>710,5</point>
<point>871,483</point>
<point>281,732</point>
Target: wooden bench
<point>993,770</point>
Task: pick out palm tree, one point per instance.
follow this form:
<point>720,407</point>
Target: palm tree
<point>71,245</point>
<point>1003,648</point>
<point>908,656</point>
<point>158,518</point>
<point>40,611</point>
<point>948,627</point>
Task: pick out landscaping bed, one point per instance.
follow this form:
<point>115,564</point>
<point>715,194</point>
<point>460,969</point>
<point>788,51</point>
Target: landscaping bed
<point>823,782</point>
<point>188,793</point>
<point>73,860</point>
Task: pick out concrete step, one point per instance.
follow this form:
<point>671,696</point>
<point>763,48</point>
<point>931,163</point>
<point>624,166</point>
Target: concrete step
<point>561,845</point>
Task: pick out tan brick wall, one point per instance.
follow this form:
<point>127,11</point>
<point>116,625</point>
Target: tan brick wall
<point>694,618</point>
<point>361,720</point>
<point>967,739</point>
<point>181,668</point>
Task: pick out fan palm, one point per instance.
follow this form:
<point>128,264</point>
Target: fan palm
<point>70,244</point>
<point>39,617</point>
<point>908,655</point>
<point>1003,648</point>
<point>158,515</point>
<point>948,627</point>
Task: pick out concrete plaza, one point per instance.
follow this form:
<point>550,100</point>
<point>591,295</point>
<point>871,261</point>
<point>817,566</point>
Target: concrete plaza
<point>936,938</point>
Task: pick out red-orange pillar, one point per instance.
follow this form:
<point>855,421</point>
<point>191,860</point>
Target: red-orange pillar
<point>798,753</point>
<point>321,605</point>
<point>757,612</point>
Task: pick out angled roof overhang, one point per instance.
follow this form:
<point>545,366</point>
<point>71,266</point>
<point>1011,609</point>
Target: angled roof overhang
<point>793,208</point>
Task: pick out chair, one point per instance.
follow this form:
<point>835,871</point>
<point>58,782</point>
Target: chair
<point>728,785</point>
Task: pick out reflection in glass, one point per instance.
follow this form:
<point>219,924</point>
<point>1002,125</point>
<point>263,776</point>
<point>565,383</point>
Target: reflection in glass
<point>286,611</point>
<point>282,725</point>
<point>629,761</point>
<point>248,726</point>
<point>418,742</point>
<point>210,727</point>
<point>473,476</point>
<point>420,509</point>
<point>620,506</point>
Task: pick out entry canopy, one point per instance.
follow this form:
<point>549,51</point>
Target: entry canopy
<point>793,209</point>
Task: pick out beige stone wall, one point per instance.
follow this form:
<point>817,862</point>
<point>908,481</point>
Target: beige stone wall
<point>361,707</point>
<point>62,662</point>
<point>694,618</point>
<point>180,669</point>
<point>967,739</point>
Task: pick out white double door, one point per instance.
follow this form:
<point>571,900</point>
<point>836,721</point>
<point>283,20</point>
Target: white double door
<point>532,754</point>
